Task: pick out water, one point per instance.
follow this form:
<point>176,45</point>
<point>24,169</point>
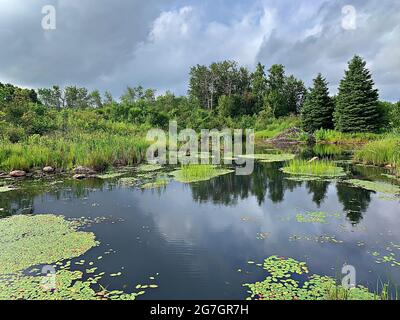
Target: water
<point>197,236</point>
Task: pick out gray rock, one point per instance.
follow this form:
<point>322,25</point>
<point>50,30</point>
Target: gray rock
<point>48,169</point>
<point>83,170</point>
<point>79,176</point>
<point>17,173</point>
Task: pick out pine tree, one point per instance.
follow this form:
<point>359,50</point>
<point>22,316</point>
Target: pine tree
<point>318,108</point>
<point>357,107</point>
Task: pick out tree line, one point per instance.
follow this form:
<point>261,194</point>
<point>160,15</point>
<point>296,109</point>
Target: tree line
<point>222,94</point>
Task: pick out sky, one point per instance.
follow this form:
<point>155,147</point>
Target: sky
<point>108,45</point>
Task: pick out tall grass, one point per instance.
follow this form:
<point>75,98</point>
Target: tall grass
<point>380,153</point>
<point>332,136</point>
<point>316,168</point>
<point>278,126</point>
<point>197,171</point>
<point>97,151</point>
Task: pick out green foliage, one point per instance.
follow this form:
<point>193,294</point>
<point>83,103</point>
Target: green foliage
<point>315,168</point>
<point>273,127</point>
<point>380,153</point>
<point>357,108</point>
<point>317,112</point>
<point>375,186</point>
<point>333,136</point>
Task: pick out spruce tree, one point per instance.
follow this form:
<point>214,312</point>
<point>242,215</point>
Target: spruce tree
<point>317,111</point>
<point>357,107</point>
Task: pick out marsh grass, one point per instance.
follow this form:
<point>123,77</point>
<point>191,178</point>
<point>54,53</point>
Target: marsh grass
<point>333,136</point>
<point>317,168</point>
<point>97,151</point>
<point>198,172</point>
<point>381,153</point>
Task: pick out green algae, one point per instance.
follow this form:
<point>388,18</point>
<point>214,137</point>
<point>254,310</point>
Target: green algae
<point>145,168</point>
<point>42,239</point>
<point>380,187</point>
<point>196,173</point>
<point>281,284</point>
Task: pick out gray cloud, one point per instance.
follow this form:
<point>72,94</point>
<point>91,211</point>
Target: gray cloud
<point>110,44</point>
<point>376,38</point>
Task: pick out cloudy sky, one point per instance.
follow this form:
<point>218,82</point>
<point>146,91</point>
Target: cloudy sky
<point>109,44</point>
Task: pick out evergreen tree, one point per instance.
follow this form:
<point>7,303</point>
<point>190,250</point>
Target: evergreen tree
<point>318,108</point>
<point>357,108</point>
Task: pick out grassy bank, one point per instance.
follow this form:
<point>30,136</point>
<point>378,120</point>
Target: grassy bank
<point>96,150</point>
<point>336,137</point>
<point>381,153</point>
<point>278,126</point>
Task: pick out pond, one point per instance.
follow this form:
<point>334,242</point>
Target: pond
<point>196,240</point>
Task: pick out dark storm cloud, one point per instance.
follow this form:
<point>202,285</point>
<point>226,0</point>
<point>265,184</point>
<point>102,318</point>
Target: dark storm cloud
<point>109,44</point>
<point>376,38</point>
<point>92,37</point>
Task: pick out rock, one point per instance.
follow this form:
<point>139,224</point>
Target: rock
<point>83,170</point>
<point>48,169</point>
<point>79,176</point>
<point>313,159</point>
<point>17,173</point>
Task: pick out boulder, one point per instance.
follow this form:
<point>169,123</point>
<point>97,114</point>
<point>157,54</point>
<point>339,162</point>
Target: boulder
<point>83,170</point>
<point>48,169</point>
<point>17,173</point>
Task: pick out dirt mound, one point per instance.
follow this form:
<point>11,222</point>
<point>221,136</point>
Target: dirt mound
<point>289,136</point>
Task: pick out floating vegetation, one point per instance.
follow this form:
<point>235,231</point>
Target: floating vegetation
<point>111,175</point>
<point>6,189</point>
<point>315,217</point>
<point>318,239</point>
<point>149,167</point>
<point>129,181</point>
<point>281,285</point>
<point>42,239</point>
<point>270,157</point>
<point>326,169</point>
<point>198,172</point>
<point>375,186</point>
<point>389,257</point>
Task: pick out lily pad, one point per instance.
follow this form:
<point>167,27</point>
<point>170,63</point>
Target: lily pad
<point>375,186</point>
<point>209,173</point>
<point>26,241</point>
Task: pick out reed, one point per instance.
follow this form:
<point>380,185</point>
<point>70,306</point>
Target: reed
<point>316,168</point>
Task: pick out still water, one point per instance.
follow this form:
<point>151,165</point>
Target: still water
<point>194,237</point>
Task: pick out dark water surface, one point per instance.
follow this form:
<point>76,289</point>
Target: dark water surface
<point>197,236</point>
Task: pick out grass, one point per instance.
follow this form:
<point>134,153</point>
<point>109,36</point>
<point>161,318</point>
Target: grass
<point>333,136</point>
<point>381,153</point>
<point>316,168</point>
<point>198,172</point>
<point>97,151</point>
<point>278,126</point>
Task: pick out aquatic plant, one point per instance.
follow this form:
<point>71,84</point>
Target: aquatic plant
<point>381,153</point>
<point>381,187</point>
<point>158,183</point>
<point>6,189</point>
<point>42,239</point>
<point>312,217</point>
<point>281,284</point>
<point>198,172</point>
<point>316,168</point>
